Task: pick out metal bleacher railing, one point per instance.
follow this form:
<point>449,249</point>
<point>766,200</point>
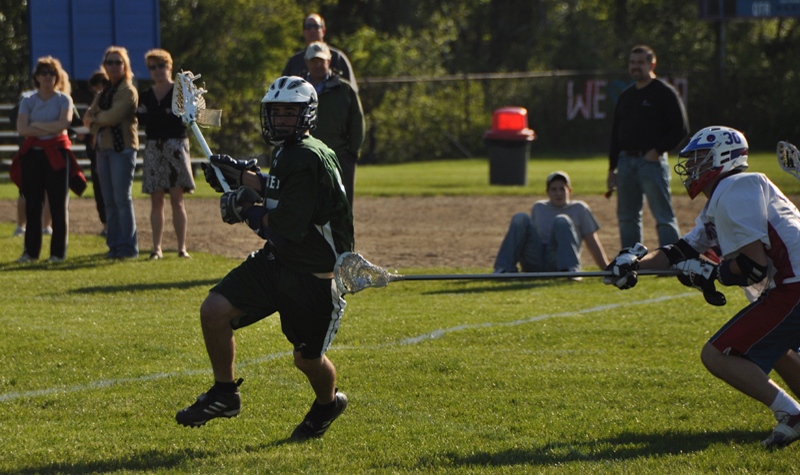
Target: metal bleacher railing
<point>10,140</point>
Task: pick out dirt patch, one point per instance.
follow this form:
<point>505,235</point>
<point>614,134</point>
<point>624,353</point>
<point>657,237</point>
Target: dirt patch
<point>404,232</point>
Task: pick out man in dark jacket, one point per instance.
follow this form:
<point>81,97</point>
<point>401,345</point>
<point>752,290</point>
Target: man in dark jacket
<point>314,30</point>
<point>340,116</point>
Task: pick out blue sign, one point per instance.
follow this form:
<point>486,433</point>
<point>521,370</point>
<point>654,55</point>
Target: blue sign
<point>732,9</point>
<point>770,8</point>
<point>77,32</point>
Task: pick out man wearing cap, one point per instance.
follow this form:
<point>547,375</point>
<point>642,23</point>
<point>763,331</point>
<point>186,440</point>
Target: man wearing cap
<point>340,118</point>
<point>314,30</point>
<point>550,238</point>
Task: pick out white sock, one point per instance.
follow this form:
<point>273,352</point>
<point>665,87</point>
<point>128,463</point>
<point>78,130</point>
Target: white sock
<point>784,403</point>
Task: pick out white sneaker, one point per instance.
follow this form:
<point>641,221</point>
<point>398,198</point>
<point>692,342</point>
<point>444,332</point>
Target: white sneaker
<point>786,432</point>
<point>20,231</point>
<point>48,231</point>
<point>55,259</point>
<point>25,258</point>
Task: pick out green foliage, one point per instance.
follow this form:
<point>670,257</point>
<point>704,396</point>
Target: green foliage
<point>14,45</point>
<point>240,47</point>
<point>427,120</point>
<point>443,377</point>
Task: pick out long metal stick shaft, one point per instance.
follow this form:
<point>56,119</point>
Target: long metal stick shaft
<point>526,275</point>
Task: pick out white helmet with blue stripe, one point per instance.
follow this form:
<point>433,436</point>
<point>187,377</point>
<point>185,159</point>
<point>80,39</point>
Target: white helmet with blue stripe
<point>712,152</point>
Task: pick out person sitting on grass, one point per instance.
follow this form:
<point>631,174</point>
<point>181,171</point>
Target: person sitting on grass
<point>550,238</point>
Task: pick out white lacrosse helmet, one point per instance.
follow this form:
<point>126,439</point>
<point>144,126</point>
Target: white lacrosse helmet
<point>288,90</point>
<point>711,152</point>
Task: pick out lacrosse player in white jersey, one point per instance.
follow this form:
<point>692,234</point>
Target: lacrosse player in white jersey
<point>756,230</point>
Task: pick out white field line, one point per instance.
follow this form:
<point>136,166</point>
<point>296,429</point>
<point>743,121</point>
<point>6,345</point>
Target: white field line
<point>104,383</point>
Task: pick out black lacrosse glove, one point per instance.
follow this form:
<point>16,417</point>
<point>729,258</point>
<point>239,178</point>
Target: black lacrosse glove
<point>232,170</point>
<point>230,203</point>
<point>623,268</point>
<point>700,274</point>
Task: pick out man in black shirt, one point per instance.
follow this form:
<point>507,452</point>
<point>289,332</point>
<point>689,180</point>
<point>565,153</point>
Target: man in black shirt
<point>649,120</point>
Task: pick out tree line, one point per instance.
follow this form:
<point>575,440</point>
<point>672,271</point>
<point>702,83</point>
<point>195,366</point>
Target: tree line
<point>240,46</point>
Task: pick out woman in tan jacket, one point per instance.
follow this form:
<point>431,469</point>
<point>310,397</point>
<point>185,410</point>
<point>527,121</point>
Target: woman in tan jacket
<point>112,117</point>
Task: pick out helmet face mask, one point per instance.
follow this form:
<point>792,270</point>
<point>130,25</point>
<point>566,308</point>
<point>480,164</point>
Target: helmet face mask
<point>288,111</point>
<point>713,151</point>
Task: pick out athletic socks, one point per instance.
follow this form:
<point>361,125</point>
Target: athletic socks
<point>784,403</point>
<point>226,388</point>
<point>325,408</point>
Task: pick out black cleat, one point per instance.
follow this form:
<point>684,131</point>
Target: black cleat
<point>210,405</point>
<point>317,422</point>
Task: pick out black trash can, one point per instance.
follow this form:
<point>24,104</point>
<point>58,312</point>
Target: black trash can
<point>509,146</point>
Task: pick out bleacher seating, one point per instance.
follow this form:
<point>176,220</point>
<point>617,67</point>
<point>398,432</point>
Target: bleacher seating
<point>9,144</point>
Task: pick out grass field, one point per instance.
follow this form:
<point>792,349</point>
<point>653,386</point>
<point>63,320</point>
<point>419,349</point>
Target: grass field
<point>443,377</point>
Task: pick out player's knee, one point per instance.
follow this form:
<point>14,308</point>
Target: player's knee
<point>305,364</point>
<point>709,355</point>
<point>213,310</point>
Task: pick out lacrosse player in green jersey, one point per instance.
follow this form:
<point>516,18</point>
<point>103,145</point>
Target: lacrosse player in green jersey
<point>301,210</point>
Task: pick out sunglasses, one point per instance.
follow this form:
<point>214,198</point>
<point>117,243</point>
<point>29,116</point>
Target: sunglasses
<point>47,72</point>
<point>153,67</point>
<point>111,62</point>
<point>312,27</point>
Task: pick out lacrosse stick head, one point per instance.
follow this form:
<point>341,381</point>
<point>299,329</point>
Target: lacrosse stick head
<point>188,102</point>
<point>789,158</point>
<point>353,273</point>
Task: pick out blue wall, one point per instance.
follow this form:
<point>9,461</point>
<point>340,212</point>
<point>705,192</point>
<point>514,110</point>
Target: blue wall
<point>77,32</point>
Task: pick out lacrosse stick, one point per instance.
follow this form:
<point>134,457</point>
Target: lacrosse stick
<point>189,105</point>
<point>789,158</point>
<point>353,274</point>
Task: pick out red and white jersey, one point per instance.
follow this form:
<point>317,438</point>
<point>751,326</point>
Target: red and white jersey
<point>745,208</point>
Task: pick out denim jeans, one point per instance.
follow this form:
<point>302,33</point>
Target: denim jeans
<point>115,170</point>
<point>523,245</point>
<point>637,178</point>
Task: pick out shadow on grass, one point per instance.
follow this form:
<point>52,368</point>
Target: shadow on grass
<point>508,285</point>
<point>71,263</point>
<point>629,445</point>
<point>145,461</point>
<point>626,446</point>
<point>112,289</point>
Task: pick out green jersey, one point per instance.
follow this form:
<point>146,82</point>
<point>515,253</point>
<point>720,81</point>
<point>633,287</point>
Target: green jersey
<point>308,207</point>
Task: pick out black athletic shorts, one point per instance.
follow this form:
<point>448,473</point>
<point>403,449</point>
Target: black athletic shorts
<point>310,308</point>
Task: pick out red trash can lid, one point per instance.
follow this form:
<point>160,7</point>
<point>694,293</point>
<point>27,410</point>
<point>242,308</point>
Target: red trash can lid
<point>510,123</point>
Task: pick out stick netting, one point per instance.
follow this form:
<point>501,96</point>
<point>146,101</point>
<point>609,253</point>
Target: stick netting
<point>188,101</point>
<point>789,158</point>
<point>353,273</point>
